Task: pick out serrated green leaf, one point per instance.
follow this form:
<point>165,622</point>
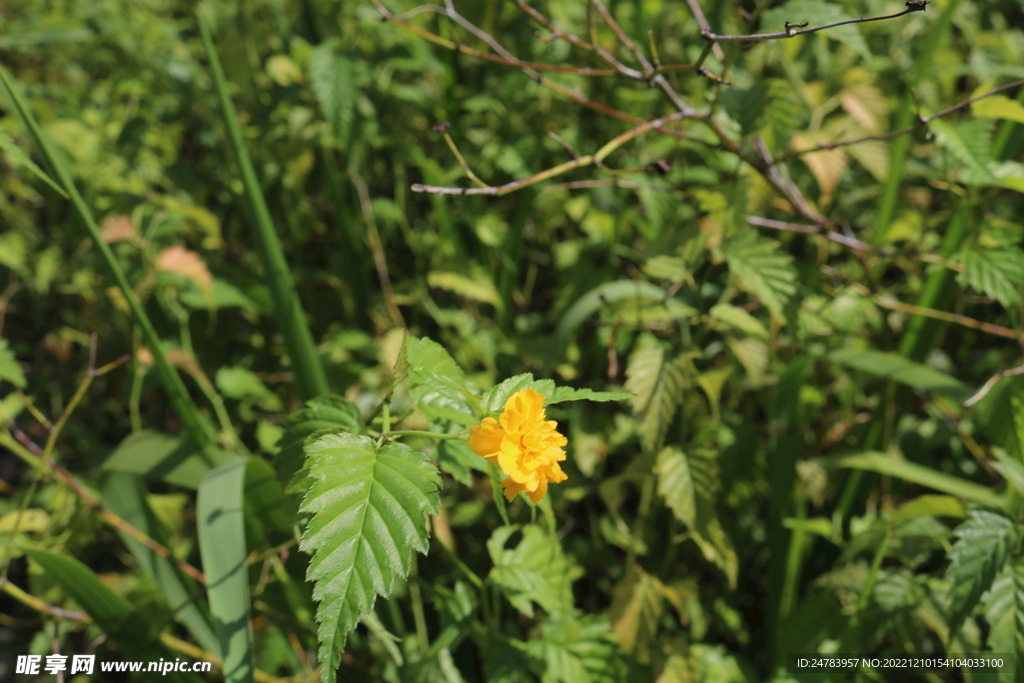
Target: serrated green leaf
<point>657,382</point>
<point>1004,612</point>
<point>457,459</point>
<point>747,106</point>
<point>9,368</point>
<point>330,77</point>
<point>563,394</point>
<point>579,651</point>
<point>637,604</point>
<point>494,400</point>
<point>968,141</point>
<point>440,388</point>
<point>535,571</point>
<point>998,273</point>
<point>166,458</point>
<point>998,107</point>
<point>324,415</point>
<point>368,507</point>
<point>901,370</point>
<point>762,269</point>
<point>689,485</point>
<point>984,542</point>
<point>440,668</point>
<point>736,318</point>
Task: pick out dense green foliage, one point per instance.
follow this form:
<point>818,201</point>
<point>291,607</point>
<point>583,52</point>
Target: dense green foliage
<point>791,390</point>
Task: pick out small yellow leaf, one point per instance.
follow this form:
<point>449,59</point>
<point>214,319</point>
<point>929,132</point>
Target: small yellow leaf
<point>828,166</point>
<point>32,520</point>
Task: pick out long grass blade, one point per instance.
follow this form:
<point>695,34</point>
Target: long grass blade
<point>198,430</point>
<point>309,371</point>
<point>221,526</point>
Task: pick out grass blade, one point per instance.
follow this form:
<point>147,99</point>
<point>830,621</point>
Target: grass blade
<point>221,526</point>
<point>199,431</point>
<point>919,474</point>
<point>125,495</point>
<point>309,371</point>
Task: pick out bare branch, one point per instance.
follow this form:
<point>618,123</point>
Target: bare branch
<point>851,242</point>
<point>792,30</point>
<point>555,31</point>
<point>623,38</point>
<point>992,381</point>
<point>922,121</point>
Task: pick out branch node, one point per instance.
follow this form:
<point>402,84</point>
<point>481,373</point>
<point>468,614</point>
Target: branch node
<point>917,5</point>
<point>441,127</point>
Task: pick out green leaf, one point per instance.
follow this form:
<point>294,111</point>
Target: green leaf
<point>241,383</point>
<point>479,287</point>
<point>225,295</point>
<point>689,485</point>
<point>118,619</point>
<point>165,458</point>
<point>8,145</point>
<point>762,270</point>
<point>919,474</point>
<point>984,542</point>
<point>968,141</point>
<point>220,522</point>
<point>125,495</point>
<point>592,302</point>
<point>998,273</point>
<point>747,106</point>
<point>579,651</point>
<point>929,506</point>
<point>440,388</point>
<point>816,13</point>
<point>439,668</point>
<point>1004,611</point>
<point>322,415</point>
<point>494,400</point>
<point>535,571</point>
<point>637,604</point>
<point>738,319</point>
<point>998,107</point>
<point>330,77</point>
<point>902,370</point>
<point>657,380</point>
<point>457,459</point>
<point>9,368</point>
<point>563,394</point>
<point>368,504</point>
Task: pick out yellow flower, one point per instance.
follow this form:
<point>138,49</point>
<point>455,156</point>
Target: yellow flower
<point>527,447</point>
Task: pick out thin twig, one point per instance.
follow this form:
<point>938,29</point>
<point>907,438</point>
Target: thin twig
<point>375,246</point>
<point>922,121</point>
<point>35,603</point>
<point>623,38</point>
<point>992,381</point>
<point>702,21</point>
<point>792,31</point>
<point>811,230</point>
<point>555,31</point>
<point>462,161</point>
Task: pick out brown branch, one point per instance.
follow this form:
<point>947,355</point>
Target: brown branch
<point>922,121</point>
<point>992,381</point>
<point>555,31</point>
<point>376,247</point>
<point>702,21</point>
<point>792,31</point>
<point>851,242</point>
<point>624,39</point>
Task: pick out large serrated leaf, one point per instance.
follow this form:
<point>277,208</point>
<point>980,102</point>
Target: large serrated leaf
<point>324,414</point>
<point>656,380</point>
<point>579,651</point>
<point>368,505</point>
<point>968,141</point>
<point>1004,611</point>
<point>9,368</point>
<point>637,604</point>
<point>535,571</point>
<point>998,273</point>
<point>440,388</point>
<point>983,544</point>
<point>762,269</point>
<point>689,484</point>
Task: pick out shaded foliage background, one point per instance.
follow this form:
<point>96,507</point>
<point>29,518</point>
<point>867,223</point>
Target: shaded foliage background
<point>708,526</point>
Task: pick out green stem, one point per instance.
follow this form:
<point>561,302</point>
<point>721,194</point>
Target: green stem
<point>198,430</point>
<point>418,614</point>
<point>429,435</point>
<point>309,372</point>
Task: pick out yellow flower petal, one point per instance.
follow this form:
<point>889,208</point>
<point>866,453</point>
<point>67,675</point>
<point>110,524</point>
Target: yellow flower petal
<point>485,438</point>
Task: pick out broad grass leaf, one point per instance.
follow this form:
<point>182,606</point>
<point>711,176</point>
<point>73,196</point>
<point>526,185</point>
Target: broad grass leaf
<point>902,370</point>
<point>9,368</point>
<point>997,273</point>
<point>816,13</point>
<point>689,484</point>
<point>1004,612</point>
<point>984,542</point>
<point>762,269</point>
<point>579,651</point>
<point>368,505</point>
<point>535,571</point>
<point>165,458</point>
<point>8,145</point>
<point>323,415</point>
<point>657,381</point>
<point>637,604</point>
